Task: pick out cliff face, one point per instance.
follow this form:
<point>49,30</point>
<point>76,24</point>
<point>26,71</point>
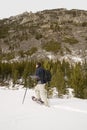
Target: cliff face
<point>40,32</point>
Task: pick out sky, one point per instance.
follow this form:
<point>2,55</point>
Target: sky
<point>14,7</point>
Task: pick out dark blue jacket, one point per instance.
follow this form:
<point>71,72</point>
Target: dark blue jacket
<point>40,73</point>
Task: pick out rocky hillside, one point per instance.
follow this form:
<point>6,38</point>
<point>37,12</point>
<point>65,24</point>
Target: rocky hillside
<point>57,34</point>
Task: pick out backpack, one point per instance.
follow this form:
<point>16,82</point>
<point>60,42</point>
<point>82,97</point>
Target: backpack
<point>47,76</point>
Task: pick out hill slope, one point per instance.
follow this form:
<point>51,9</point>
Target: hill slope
<point>64,114</point>
<point>32,33</point>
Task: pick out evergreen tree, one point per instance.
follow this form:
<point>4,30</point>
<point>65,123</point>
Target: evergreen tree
<point>77,81</point>
<point>15,77</point>
<point>29,69</point>
<point>58,81</point>
<point>48,66</point>
<point>15,73</point>
<point>25,74</point>
<point>85,79</point>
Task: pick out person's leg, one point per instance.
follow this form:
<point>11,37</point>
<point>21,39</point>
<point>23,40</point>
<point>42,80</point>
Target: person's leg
<point>37,91</point>
<point>43,94</point>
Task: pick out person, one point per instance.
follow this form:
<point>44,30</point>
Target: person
<point>40,91</point>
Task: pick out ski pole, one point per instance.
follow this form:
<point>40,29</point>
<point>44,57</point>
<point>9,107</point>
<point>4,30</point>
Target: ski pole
<point>24,95</point>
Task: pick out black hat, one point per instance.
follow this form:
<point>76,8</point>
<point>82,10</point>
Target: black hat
<point>38,63</point>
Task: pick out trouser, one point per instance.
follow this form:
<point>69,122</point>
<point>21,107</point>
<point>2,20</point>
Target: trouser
<point>41,93</point>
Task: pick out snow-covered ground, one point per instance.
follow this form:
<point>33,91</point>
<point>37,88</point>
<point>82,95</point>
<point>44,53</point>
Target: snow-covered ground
<point>63,114</point>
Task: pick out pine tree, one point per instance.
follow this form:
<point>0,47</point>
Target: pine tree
<point>85,79</point>
<point>15,76</point>
<point>25,74</point>
<point>28,70</point>
<point>77,80</point>
<point>15,73</point>
<point>58,81</point>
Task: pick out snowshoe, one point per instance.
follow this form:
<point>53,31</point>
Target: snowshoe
<point>39,101</point>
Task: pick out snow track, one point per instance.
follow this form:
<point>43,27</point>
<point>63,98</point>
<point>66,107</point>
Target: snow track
<point>63,114</point>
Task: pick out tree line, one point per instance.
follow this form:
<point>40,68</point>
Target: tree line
<point>64,75</point>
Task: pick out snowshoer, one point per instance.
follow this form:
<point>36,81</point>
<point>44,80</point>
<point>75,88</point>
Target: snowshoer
<point>40,91</point>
